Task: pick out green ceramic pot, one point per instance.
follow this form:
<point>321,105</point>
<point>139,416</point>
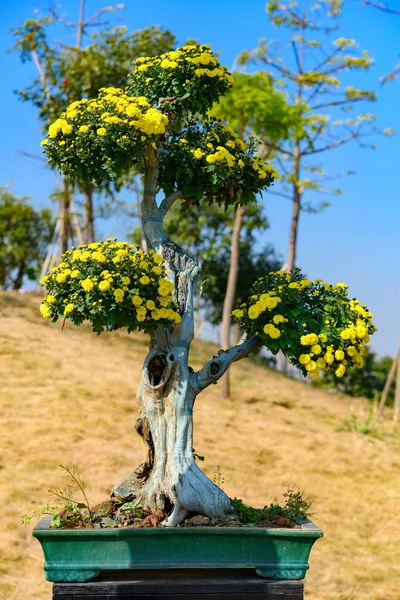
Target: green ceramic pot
<point>80,554</point>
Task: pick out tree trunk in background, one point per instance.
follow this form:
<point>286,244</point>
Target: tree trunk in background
<point>397,391</point>
<point>64,211</point>
<point>388,383</point>
<point>20,275</point>
<point>292,249</point>
<point>89,216</point>
<point>230,292</point>
<point>281,360</point>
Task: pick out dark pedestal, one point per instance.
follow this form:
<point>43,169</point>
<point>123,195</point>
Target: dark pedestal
<point>180,584</point>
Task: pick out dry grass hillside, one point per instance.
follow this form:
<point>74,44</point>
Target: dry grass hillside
<point>69,396</point>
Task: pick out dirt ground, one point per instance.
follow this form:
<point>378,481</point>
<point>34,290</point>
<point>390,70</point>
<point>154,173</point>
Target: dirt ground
<point>69,396</point>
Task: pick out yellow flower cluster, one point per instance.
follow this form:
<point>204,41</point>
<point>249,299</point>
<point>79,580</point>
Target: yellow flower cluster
<point>184,57</point>
<point>112,107</point>
<point>112,284</point>
<point>221,154</point>
<point>319,328</point>
<point>98,138</point>
<point>263,302</point>
<point>232,153</point>
<point>263,169</point>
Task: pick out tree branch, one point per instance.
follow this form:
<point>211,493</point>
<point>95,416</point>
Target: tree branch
<point>286,196</point>
<point>278,148</point>
<point>286,72</point>
<point>333,145</point>
<point>382,6</point>
<point>218,365</point>
<point>168,202</point>
<point>336,103</point>
<point>42,74</point>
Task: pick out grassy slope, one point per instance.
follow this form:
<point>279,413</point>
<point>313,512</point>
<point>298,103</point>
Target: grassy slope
<point>69,396</point>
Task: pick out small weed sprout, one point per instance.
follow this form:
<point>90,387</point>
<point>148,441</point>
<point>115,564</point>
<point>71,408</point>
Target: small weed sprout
<point>67,512</point>
<point>219,481</point>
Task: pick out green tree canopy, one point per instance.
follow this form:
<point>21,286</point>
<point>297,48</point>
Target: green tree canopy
<point>253,106</point>
<point>311,66</point>
<point>24,236</point>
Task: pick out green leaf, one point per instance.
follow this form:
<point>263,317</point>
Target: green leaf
<point>108,522</point>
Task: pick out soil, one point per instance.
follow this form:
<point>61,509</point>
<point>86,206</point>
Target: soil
<point>130,517</point>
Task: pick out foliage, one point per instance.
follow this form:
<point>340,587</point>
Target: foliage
<point>70,72</point>
<point>187,80</point>
<point>111,284</point>
<point>210,162</point>
<point>66,72</point>
<point>205,162</point>
<point>295,508</point>
<point>314,323</point>
<point>95,140</point>
<point>367,381</point>
<point>312,66</point>
<point>254,106</point>
<point>68,512</point>
<point>25,233</point>
<point>359,422</point>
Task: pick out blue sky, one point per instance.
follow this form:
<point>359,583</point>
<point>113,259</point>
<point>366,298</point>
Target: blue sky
<point>356,240</point>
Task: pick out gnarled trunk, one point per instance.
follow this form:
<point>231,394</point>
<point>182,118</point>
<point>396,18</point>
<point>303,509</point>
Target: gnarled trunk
<point>170,479</point>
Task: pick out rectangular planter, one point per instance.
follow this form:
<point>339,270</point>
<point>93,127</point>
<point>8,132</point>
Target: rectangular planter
<point>80,554</point>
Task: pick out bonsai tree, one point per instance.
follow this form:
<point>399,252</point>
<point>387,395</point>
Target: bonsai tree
<point>160,123</point>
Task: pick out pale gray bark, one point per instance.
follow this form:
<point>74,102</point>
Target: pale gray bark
<point>169,479</point>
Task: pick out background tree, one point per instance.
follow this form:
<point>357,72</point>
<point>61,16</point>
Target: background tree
<point>252,107</point>
<point>24,236</point>
<point>206,232</point>
<point>311,76</point>
<point>390,9</point>
<point>68,72</point>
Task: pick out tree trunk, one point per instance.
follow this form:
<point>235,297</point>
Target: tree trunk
<point>292,249</point>
<point>396,404</point>
<point>89,216</point>
<point>281,360</point>
<point>169,478</point>
<point>64,210</point>
<point>388,382</point>
<point>17,284</point>
<point>230,292</point>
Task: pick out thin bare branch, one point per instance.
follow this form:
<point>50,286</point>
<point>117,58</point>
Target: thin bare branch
<point>341,142</point>
<point>42,74</point>
<point>286,196</point>
<point>61,19</point>
<point>296,56</point>
<point>327,59</point>
<point>80,25</point>
<point>336,103</point>
<point>286,72</point>
<point>382,6</point>
<point>93,17</point>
